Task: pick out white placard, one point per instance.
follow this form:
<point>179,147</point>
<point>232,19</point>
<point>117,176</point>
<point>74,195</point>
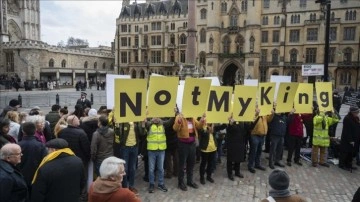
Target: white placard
<point>251,82</point>
<point>214,80</point>
<point>312,70</point>
<point>110,81</point>
<point>277,80</point>
<point>179,96</point>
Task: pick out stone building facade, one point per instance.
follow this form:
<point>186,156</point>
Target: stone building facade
<point>24,55</point>
<point>240,39</point>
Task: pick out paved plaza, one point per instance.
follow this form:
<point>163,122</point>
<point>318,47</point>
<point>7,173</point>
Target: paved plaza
<point>316,184</point>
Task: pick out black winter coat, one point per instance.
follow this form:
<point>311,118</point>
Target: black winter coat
<point>350,133</point>
<point>89,125</point>
<point>277,126</point>
<point>85,104</point>
<point>33,153</point>
<point>59,180</point>
<point>12,184</point>
<point>235,141</point>
<point>52,118</point>
<point>171,135</point>
<point>78,142</point>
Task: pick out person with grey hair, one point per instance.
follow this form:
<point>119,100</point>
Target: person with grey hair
<point>107,187</point>
<point>13,186</point>
<point>39,122</point>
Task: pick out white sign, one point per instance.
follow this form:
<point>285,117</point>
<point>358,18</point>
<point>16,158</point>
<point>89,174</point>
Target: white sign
<point>110,81</point>
<point>312,70</point>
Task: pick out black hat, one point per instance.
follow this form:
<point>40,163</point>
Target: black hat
<point>354,109</point>
<point>57,143</point>
<point>14,103</point>
<point>279,180</point>
<point>83,93</point>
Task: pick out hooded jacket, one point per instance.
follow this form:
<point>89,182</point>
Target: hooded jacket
<point>101,144</point>
<point>110,191</point>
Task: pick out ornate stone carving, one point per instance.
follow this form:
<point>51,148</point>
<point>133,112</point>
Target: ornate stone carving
<point>13,7</point>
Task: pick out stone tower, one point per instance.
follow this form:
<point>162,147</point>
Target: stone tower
<point>19,20</point>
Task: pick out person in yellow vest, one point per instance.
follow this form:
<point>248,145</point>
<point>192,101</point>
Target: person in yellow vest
<point>321,138</point>
<point>156,145</point>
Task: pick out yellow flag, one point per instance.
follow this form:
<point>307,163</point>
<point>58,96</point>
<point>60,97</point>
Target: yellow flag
<point>266,98</point>
<point>244,103</point>
<point>324,96</point>
<point>130,100</point>
<point>285,97</point>
<point>162,96</point>
<point>304,98</point>
<point>195,98</point>
<point>219,104</point>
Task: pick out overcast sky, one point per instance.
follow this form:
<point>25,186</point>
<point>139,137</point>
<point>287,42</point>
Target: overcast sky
<point>94,21</point>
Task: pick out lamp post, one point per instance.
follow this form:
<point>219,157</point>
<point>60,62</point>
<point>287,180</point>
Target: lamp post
<point>326,3</point>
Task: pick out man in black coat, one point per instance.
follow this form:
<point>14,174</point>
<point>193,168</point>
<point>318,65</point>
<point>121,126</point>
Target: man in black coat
<point>12,183</point>
<point>235,144</point>
<point>55,182</point>
<point>85,103</point>
<point>349,144</point>
<point>33,153</point>
<point>78,143</point>
<point>53,117</point>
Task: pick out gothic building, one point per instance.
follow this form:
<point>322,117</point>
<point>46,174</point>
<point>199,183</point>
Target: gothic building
<point>239,39</point>
<point>24,55</point>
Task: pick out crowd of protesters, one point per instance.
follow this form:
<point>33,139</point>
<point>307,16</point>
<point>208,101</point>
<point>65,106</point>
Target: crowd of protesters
<point>35,146</point>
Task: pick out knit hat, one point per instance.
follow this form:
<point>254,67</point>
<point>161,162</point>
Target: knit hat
<point>354,109</point>
<point>13,103</point>
<point>279,180</point>
<point>57,143</point>
<point>92,112</point>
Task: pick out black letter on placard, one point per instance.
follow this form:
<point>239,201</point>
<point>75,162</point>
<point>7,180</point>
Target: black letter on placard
<point>286,94</point>
<point>166,100</point>
<point>125,99</point>
<point>195,94</point>
<point>244,105</point>
<point>306,96</point>
<point>218,103</point>
<point>324,97</point>
<point>263,95</point>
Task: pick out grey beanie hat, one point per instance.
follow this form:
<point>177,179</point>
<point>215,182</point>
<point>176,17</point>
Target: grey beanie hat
<point>279,180</point>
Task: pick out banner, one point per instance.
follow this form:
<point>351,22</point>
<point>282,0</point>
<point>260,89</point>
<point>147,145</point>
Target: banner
<point>244,103</point>
<point>195,98</point>
<point>162,98</point>
<point>130,100</point>
<point>285,98</point>
<point>266,98</point>
<point>303,101</point>
<point>219,104</point>
<point>324,96</point>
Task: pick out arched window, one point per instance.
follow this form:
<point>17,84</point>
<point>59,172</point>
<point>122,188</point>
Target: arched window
<point>226,45</point>
<point>51,63</point>
<point>294,75</point>
<point>172,56</point>
<point>239,44</point>
<point>182,56</point>
<point>234,18</point>
<point>202,57</point>
<point>244,6</point>
<point>275,56</point>
<point>112,66</point>
<point>345,78</point>
<point>265,20</point>
<point>182,39</point>
<point>203,14</point>
<point>63,63</point>
<point>172,39</point>
<point>133,74</point>
<point>104,66</point>
<point>146,40</point>
<point>293,56</point>
<point>202,36</point>
<point>95,65</point>
<point>86,65</point>
<point>348,55</point>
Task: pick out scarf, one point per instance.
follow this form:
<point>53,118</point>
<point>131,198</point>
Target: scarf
<point>51,157</point>
<point>279,193</point>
